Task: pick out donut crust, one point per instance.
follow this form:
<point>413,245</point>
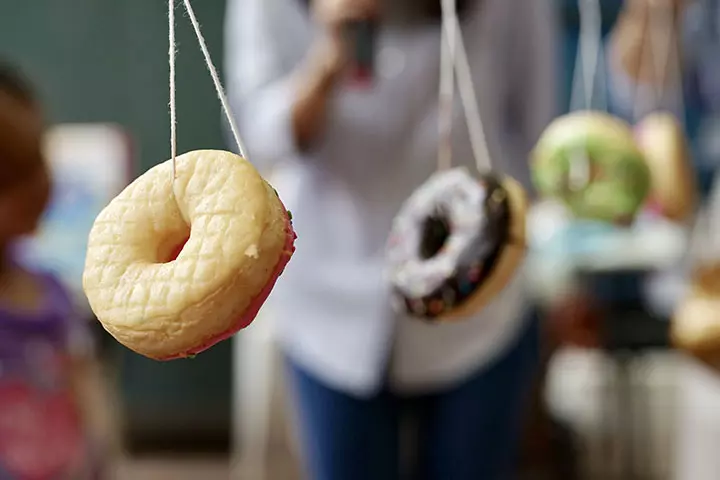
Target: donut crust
<point>511,256</point>
<point>673,187</point>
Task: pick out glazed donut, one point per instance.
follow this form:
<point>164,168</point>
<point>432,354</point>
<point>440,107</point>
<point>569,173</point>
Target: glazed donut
<point>695,328</point>
<point>673,189</point>
<point>173,269</point>
<point>591,162</point>
<point>455,244</point>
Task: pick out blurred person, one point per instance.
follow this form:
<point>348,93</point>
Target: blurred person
<point>695,35</point>
<point>357,370</point>
<point>52,421</point>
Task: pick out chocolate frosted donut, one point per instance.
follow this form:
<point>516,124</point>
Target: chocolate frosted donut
<point>455,243</point>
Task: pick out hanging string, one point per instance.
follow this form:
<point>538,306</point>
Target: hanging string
<point>601,66</point>
<point>213,73</point>
<point>587,60</point>
<point>171,57</point>
<point>478,142</point>
<point>447,94</point>
<point>588,57</point>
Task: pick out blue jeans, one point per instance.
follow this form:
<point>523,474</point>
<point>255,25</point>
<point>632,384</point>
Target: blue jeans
<point>471,431</point>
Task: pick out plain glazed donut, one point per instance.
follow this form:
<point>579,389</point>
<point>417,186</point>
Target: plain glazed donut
<point>590,161</point>
<point>172,270</point>
<point>695,326</point>
<point>673,190</point>
<point>455,244</point>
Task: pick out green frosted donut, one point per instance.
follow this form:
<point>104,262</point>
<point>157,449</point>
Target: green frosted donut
<point>591,162</point>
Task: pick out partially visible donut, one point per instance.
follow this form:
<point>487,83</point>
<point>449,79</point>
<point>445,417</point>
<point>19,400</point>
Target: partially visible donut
<point>590,161</point>
<point>173,269</point>
<point>455,244</point>
<point>673,190</point>
<point>695,326</point>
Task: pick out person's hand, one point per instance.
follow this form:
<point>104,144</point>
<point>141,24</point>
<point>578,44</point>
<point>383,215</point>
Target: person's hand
<point>324,65</point>
<point>328,55</point>
<point>334,14</point>
<point>646,28</point>
<point>658,3</point>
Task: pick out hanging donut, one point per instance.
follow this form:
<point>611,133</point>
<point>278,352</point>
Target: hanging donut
<point>172,270</point>
<point>591,162</point>
<point>456,243</point>
<point>186,255</point>
<point>695,328</point>
<point>459,239</point>
<point>673,188</point>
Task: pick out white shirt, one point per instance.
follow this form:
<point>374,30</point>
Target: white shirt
<point>334,318</point>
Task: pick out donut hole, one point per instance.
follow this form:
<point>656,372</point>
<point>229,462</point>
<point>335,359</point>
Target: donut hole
<point>171,246</point>
<point>435,234</point>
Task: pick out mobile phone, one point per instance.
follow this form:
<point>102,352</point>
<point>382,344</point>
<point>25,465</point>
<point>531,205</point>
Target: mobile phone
<point>362,40</point>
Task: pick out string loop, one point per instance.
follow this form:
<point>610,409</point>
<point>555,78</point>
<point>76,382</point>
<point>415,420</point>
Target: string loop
<point>171,57</point>
<point>478,141</point>
<point>213,74</point>
<point>588,58</point>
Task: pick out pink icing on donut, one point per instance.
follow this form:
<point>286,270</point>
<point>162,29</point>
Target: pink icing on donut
<point>654,206</point>
<point>255,304</point>
<point>175,253</point>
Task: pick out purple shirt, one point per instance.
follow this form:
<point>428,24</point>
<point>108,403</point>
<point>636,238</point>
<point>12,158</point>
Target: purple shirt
<point>41,434</point>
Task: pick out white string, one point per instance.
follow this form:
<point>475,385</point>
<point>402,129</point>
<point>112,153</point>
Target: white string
<point>478,142</point>
<point>588,56</point>
<point>173,114</point>
<point>587,60</point>
<point>447,95</point>
<point>213,73</point>
<point>601,73</point>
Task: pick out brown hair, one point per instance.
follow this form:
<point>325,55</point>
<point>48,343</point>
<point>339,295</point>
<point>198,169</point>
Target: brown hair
<point>18,150</point>
<point>15,84</point>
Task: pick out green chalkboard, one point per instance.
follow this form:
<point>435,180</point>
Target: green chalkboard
<point>106,61</point>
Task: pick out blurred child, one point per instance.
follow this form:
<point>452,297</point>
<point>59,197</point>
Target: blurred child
<point>50,426</point>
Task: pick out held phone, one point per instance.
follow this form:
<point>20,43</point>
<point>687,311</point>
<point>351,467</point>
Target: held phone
<point>361,36</point>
